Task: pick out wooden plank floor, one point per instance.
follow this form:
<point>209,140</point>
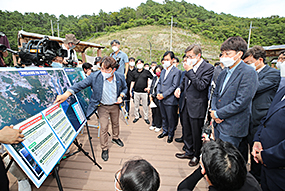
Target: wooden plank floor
<point>79,173</point>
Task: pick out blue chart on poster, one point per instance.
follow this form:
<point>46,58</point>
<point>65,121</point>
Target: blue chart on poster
<point>26,99</point>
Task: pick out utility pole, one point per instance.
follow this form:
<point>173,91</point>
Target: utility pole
<point>171,33</point>
<point>51,27</point>
<point>250,33</point>
<point>58,30</point>
<point>149,50</point>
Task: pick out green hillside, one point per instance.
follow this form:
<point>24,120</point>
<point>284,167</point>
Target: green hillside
<point>193,24</point>
<point>135,42</point>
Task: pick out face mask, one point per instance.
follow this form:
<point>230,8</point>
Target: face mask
<point>281,66</point>
<point>158,74</point>
<point>278,64</point>
<point>253,65</point>
<point>153,68</point>
<point>227,62</point>
<point>116,189</point>
<point>56,65</point>
<point>139,66</point>
<point>191,61</point>
<point>132,63</point>
<point>106,75</point>
<point>99,65</point>
<point>146,68</point>
<point>166,64</point>
<point>115,49</point>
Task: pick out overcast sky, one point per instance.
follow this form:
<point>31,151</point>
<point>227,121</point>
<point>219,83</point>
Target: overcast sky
<point>241,8</point>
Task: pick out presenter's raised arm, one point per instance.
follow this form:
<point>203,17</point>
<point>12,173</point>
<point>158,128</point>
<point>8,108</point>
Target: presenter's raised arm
<point>61,98</point>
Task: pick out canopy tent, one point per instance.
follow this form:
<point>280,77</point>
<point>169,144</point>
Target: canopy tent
<point>24,37</point>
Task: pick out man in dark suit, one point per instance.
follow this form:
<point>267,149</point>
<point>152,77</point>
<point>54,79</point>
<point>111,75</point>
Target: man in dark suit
<point>168,82</point>
<point>109,89</point>
<point>269,145</point>
<point>268,79</point>
<point>195,86</point>
<point>232,98</point>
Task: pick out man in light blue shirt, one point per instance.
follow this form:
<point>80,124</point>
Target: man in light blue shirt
<point>109,89</point>
<point>118,54</point>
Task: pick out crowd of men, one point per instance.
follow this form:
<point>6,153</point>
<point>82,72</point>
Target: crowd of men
<point>247,108</point>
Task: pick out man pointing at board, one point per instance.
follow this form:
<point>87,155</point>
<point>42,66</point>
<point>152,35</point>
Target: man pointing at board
<point>109,89</point>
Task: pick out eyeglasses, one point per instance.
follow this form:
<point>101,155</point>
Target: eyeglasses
<point>116,180</point>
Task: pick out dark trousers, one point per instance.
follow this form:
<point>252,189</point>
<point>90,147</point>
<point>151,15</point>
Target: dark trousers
<point>156,115</point>
<point>4,182</point>
<point>272,180</point>
<point>169,117</point>
<point>127,100</point>
<point>192,130</point>
<point>255,168</point>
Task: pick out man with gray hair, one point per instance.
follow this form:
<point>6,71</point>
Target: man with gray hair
<point>119,55</point>
<point>195,86</point>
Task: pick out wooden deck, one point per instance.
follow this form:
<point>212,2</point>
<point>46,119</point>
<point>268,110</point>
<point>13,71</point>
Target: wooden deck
<point>79,173</point>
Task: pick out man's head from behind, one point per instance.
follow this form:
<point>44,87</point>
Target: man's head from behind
<point>223,165</point>
<point>139,175</point>
<point>255,57</point>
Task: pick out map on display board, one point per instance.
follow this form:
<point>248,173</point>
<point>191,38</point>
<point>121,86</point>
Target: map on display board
<point>76,75</point>
<point>26,99</point>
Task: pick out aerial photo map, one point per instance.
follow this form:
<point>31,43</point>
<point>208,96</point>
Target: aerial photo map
<point>26,92</point>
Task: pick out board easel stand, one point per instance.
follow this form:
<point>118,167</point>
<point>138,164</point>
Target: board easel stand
<point>79,149</point>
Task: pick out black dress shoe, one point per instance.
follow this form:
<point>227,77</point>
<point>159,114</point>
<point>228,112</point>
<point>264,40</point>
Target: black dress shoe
<point>135,120</point>
<point>183,156</point>
<point>147,121</point>
<point>162,135</point>
<point>179,140</point>
<point>118,142</point>
<point>105,155</point>
<point>193,162</point>
<point>184,148</point>
<point>170,139</point>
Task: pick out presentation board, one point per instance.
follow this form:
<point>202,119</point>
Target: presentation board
<point>26,99</point>
<point>76,75</point>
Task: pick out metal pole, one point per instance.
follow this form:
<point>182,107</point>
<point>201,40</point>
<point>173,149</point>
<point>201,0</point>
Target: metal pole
<point>51,27</point>
<point>57,29</point>
<point>249,35</point>
<point>171,33</point>
<point>149,50</point>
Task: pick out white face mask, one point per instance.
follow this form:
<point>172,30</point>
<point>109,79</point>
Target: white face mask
<point>281,66</point>
<point>166,64</point>
<point>278,64</point>
<point>253,65</point>
<point>115,48</point>
<point>153,68</point>
<point>132,63</point>
<point>191,61</point>
<point>227,62</point>
<point>139,66</point>
<point>98,65</point>
<point>106,75</point>
<point>117,189</point>
<point>146,68</point>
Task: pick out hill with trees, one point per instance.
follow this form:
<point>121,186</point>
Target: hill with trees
<point>187,17</point>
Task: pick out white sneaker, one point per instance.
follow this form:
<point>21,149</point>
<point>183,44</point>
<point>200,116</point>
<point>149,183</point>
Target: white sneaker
<point>152,128</point>
<point>157,129</point>
<point>24,185</point>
